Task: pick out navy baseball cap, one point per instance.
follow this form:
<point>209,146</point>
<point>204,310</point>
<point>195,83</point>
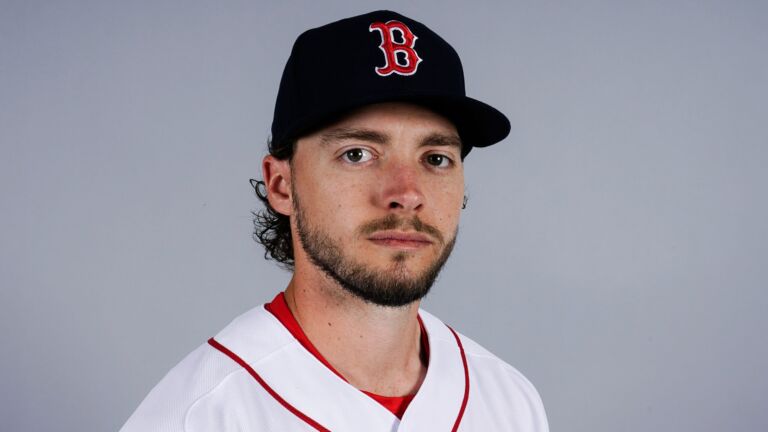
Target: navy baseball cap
<point>378,57</point>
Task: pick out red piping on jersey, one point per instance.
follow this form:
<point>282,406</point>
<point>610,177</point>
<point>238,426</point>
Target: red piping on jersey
<point>317,426</point>
<point>266,386</point>
<point>466,381</point>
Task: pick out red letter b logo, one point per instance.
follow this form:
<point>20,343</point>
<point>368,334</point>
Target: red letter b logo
<point>391,48</point>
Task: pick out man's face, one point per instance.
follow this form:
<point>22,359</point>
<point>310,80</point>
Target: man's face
<point>376,199</point>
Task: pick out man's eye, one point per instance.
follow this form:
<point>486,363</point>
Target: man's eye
<point>438,160</point>
<point>357,155</point>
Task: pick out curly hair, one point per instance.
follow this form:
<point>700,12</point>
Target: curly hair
<point>272,229</point>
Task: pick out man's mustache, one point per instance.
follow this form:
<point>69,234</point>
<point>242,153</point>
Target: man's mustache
<point>392,221</point>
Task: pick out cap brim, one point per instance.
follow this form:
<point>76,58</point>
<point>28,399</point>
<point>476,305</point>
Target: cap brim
<point>478,124</point>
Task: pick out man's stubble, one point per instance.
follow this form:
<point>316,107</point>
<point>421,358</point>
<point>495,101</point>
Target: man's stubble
<point>392,287</point>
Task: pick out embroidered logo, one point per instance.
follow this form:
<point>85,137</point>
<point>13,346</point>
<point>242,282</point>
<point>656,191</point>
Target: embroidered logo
<point>391,48</point>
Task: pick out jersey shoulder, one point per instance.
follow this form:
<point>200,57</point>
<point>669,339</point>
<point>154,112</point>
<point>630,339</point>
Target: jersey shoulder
<point>499,393</point>
<point>488,363</point>
<point>202,373</point>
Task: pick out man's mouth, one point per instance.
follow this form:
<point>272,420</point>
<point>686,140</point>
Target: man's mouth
<point>408,240</point>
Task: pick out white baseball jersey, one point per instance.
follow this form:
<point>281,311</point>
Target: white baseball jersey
<point>255,376</point>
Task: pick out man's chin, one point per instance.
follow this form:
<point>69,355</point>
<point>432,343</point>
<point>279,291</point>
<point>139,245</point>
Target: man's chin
<point>412,261</point>
<point>401,270</point>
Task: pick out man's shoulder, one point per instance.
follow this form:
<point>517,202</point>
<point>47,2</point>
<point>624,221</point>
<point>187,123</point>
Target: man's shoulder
<point>204,371</point>
<point>471,349</point>
<point>487,362</point>
<point>496,387</point>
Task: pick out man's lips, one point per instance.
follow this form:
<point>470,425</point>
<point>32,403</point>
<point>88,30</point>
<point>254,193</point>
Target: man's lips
<point>400,239</point>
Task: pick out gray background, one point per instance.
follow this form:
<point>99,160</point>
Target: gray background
<point>614,248</point>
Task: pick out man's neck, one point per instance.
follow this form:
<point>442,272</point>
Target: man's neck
<point>375,348</point>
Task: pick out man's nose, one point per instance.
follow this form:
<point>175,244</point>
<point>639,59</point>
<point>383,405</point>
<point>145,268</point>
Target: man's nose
<point>401,189</point>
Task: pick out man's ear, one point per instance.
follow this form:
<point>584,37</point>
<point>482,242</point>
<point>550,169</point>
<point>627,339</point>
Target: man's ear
<point>277,181</point>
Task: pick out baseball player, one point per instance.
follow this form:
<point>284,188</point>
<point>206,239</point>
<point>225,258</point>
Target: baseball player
<point>363,188</point>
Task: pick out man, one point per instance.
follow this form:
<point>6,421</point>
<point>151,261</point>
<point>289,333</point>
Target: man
<point>363,188</point>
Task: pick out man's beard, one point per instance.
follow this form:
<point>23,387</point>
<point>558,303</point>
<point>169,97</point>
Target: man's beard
<point>388,287</point>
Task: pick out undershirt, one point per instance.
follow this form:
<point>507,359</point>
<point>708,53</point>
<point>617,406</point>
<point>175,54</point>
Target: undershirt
<point>395,404</point>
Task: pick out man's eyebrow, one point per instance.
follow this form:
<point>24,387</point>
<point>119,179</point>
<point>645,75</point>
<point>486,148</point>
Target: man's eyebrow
<point>437,139</point>
<point>342,134</point>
